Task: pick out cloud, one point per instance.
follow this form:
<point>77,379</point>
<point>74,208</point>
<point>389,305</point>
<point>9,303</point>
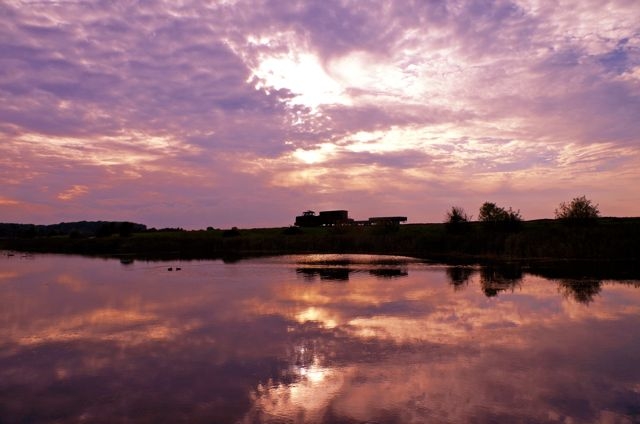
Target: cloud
<point>226,97</point>
<point>73,192</point>
<point>8,202</point>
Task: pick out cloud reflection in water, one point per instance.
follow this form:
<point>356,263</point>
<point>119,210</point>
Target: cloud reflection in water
<point>255,341</point>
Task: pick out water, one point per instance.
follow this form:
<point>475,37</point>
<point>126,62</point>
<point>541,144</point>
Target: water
<point>312,339</point>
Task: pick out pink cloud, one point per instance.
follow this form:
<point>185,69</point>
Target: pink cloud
<point>73,192</point>
<point>193,115</point>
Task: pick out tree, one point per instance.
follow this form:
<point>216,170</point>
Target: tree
<point>490,212</point>
<point>125,229</point>
<point>457,219</point>
<point>579,210</point>
<point>499,218</point>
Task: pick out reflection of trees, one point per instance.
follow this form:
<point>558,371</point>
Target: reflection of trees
<point>331,274</point>
<point>342,274</point>
<point>582,291</point>
<point>494,279</point>
<point>459,276</point>
<point>388,272</point>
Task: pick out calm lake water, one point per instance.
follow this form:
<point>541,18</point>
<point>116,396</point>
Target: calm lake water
<point>312,339</point>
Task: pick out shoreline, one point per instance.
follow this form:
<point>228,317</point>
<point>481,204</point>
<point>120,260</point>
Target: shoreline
<point>609,247</point>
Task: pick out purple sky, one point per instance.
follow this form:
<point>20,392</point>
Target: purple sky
<point>245,113</point>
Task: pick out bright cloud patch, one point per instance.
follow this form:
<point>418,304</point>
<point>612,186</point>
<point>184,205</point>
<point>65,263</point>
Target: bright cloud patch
<point>73,192</point>
<point>7,202</point>
<point>321,154</point>
<point>303,75</point>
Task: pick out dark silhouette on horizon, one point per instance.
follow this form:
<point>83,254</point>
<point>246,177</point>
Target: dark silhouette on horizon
<point>341,217</point>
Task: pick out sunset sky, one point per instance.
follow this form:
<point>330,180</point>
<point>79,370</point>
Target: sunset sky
<point>245,113</point>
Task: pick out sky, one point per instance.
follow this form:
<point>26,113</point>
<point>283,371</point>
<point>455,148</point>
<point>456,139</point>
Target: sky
<point>185,113</point>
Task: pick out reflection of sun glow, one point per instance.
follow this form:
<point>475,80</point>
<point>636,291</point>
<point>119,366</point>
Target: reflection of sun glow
<point>307,398</point>
<point>314,373</point>
<point>316,315</point>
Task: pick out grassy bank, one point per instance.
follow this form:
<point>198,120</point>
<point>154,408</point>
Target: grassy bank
<point>609,239</point>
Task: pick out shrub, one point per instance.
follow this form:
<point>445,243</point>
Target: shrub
<point>500,218</point>
<point>579,210</point>
<point>457,219</point>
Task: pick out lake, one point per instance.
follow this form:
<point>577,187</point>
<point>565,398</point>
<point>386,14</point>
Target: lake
<point>312,339</point>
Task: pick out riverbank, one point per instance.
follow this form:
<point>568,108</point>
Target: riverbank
<point>608,239</point>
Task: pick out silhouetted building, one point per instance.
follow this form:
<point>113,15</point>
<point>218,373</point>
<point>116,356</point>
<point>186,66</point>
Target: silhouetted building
<point>324,218</point>
<point>341,217</point>
<point>334,217</point>
<point>308,219</point>
<point>387,220</point>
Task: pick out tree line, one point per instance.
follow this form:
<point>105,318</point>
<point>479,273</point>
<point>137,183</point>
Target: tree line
<point>72,229</point>
<point>579,211</point>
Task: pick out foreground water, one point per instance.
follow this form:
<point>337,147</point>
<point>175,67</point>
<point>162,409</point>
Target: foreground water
<point>317,339</point>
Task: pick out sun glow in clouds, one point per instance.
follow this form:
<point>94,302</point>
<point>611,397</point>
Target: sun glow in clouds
<point>321,154</point>
<point>303,75</point>
<point>364,72</point>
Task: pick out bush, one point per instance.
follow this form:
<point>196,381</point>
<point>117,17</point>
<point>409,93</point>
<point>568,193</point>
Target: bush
<point>500,218</point>
<point>457,220</point>
<point>579,210</point>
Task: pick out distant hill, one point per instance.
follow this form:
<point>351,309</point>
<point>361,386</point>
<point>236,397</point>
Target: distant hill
<point>72,229</point>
